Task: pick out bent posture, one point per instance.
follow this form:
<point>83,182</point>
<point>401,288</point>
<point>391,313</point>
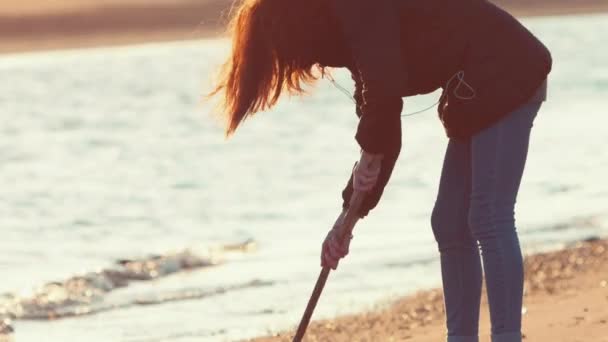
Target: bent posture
<point>493,74</point>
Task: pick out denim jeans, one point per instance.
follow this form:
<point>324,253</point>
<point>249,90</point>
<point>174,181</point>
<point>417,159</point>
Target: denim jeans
<point>474,215</point>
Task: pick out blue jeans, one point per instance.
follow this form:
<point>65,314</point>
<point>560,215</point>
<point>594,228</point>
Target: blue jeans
<point>475,212</point>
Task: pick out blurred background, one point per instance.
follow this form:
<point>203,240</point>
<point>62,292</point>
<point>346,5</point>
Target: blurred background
<point>53,24</point>
<point>126,216</point>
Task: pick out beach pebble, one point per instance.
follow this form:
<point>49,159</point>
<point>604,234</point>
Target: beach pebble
<point>592,238</point>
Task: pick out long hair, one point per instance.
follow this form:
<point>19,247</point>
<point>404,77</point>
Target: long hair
<point>273,50</point>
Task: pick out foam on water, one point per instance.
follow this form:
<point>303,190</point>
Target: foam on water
<point>91,293</point>
<point>108,153</point>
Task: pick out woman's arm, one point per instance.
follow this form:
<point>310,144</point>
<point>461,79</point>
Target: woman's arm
<point>372,31</point>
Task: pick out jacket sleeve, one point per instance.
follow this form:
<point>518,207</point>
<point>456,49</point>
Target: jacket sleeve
<point>372,31</point>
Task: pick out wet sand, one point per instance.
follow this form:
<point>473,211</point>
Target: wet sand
<point>566,300</point>
<point>28,25</point>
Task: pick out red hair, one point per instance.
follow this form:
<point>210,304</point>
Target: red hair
<point>274,44</point>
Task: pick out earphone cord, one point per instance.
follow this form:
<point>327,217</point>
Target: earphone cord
<point>459,75</point>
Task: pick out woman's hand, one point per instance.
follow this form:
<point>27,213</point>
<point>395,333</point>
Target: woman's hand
<point>334,248</point>
<point>366,172</point>
<point>365,175</point>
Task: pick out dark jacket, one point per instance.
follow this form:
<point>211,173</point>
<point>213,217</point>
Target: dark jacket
<point>400,48</point>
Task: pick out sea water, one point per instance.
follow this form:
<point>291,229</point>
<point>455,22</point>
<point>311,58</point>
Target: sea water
<point>109,154</point>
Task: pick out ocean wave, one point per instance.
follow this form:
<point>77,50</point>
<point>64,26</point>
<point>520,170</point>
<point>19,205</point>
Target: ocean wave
<point>87,294</point>
<point>581,222</point>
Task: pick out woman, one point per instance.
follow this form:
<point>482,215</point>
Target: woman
<point>493,73</point>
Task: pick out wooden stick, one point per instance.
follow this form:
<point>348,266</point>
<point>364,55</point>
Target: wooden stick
<point>346,229</point>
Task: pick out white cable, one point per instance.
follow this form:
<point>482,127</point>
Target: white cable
<point>459,75</point>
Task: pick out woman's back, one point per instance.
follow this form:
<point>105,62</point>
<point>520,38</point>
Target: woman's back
<point>417,46</point>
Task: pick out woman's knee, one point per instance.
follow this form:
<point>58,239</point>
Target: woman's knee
<point>439,223</point>
<point>489,220</point>
<point>449,227</point>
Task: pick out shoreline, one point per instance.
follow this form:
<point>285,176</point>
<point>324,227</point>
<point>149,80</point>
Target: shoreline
<point>113,23</point>
<point>566,293</point>
<point>30,26</point>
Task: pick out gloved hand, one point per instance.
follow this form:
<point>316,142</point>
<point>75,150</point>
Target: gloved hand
<point>365,175</point>
<point>363,180</point>
<point>334,248</point>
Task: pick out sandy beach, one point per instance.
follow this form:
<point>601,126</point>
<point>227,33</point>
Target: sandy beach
<point>29,25</point>
<point>566,300</point>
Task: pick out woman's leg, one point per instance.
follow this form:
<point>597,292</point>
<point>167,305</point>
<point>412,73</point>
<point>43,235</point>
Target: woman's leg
<point>460,262</point>
<point>498,157</point>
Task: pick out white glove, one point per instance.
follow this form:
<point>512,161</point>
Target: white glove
<point>333,249</point>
